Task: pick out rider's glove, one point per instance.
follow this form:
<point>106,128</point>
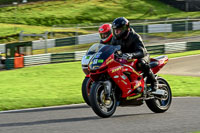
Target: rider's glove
<point>127,56</point>
<point>119,53</point>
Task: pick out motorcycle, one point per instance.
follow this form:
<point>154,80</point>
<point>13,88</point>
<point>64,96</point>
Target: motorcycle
<point>120,84</point>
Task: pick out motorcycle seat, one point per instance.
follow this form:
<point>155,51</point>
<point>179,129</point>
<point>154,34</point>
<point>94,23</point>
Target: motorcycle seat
<point>159,57</point>
<point>153,64</point>
<point>155,61</point>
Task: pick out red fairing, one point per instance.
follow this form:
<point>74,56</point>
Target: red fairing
<point>126,84</point>
<point>118,72</point>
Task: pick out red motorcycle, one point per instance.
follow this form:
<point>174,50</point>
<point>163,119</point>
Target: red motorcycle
<point>115,83</point>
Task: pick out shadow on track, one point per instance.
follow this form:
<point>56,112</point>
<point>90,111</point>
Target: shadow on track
<point>42,122</point>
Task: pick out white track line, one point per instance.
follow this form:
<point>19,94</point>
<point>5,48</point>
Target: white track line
<point>40,108</point>
<point>63,106</point>
<point>184,57</point>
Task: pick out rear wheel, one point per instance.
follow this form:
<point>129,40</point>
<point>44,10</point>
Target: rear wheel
<point>98,102</point>
<point>161,104</point>
<point>86,87</point>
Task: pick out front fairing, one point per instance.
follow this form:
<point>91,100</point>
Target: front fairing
<point>90,53</point>
<point>102,55</point>
<point>88,56</point>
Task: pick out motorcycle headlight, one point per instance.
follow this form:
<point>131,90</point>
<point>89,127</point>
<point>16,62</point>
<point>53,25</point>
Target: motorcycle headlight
<point>95,64</point>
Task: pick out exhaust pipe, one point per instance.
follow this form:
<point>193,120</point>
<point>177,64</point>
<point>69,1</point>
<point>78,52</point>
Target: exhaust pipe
<point>159,92</point>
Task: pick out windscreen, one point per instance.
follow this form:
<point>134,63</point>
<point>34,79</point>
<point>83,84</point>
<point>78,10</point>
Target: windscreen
<point>104,52</point>
<point>94,48</point>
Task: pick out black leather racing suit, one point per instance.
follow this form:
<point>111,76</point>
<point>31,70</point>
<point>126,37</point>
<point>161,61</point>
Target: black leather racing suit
<point>134,46</point>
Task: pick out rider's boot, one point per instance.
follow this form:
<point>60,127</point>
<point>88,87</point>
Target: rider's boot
<point>154,82</point>
<point>154,85</point>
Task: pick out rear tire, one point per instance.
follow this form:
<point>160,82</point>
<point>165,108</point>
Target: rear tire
<point>97,100</point>
<point>161,105</point>
<point>86,87</point>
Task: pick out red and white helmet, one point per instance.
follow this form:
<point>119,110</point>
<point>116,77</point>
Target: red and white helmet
<point>105,32</point>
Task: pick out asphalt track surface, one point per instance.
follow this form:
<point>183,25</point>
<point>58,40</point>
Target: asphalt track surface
<point>185,66</point>
<point>182,117</point>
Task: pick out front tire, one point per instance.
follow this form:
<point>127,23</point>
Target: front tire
<point>160,105</point>
<point>86,87</point>
<point>97,100</point>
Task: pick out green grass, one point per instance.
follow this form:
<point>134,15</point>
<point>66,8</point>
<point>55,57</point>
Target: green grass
<point>183,85</point>
<point>10,32</point>
<point>84,11</point>
<point>174,55</point>
<point>46,85</point>
<point>10,29</point>
<point>60,84</point>
<point>69,12</point>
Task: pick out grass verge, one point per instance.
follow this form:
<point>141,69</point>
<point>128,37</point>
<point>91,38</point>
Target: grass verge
<point>175,55</point>
<point>183,85</point>
<point>70,12</point>
<point>38,86</point>
<point>84,11</point>
<point>10,32</point>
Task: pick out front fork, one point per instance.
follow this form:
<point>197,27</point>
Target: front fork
<point>107,89</point>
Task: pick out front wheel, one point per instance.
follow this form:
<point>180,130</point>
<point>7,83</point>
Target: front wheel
<point>98,102</point>
<point>161,104</point>
<point>86,86</point>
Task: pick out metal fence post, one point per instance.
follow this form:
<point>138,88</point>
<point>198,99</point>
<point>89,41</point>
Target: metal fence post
<point>51,34</point>
<point>144,29</point>
<point>21,35</point>
<point>166,20</point>
<point>16,11</point>
<point>186,25</point>
<point>45,41</point>
<point>186,6</point>
<point>76,36</point>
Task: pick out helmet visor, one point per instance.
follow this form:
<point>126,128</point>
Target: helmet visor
<point>119,30</point>
<point>105,35</point>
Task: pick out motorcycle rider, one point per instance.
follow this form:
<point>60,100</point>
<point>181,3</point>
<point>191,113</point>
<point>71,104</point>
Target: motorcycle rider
<point>132,47</point>
<point>105,32</point>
